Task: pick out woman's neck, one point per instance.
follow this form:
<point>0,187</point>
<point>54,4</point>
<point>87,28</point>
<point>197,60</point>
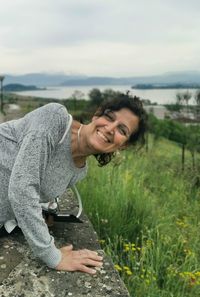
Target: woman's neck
<point>77,144</point>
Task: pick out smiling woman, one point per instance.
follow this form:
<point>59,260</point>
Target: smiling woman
<point>124,114</point>
<point>46,151</point>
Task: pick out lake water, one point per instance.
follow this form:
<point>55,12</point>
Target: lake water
<point>160,96</point>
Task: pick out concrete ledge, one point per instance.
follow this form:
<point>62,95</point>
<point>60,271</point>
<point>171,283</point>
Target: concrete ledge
<point>22,275</point>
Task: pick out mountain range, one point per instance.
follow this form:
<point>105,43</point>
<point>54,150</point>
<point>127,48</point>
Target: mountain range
<point>54,79</point>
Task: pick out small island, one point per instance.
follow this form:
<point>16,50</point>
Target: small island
<point>166,86</point>
<point>20,88</point>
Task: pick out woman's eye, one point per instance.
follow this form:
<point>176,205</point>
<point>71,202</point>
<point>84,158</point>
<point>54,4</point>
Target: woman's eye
<point>109,116</point>
<point>122,131</point>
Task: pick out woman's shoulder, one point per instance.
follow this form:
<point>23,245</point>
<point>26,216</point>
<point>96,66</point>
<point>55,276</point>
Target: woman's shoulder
<point>48,113</point>
<point>52,117</point>
<point>54,108</point>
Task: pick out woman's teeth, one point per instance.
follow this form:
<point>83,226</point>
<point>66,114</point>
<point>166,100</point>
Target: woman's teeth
<point>103,136</point>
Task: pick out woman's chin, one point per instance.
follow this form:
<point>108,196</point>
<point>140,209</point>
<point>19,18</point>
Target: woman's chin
<point>99,146</point>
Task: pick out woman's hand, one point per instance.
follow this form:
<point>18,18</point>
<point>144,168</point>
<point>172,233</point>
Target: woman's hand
<point>79,260</point>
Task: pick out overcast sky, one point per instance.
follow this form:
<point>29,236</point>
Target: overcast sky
<point>99,37</point>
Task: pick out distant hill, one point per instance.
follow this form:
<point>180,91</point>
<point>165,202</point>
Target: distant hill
<point>96,81</point>
<point>168,78</point>
<point>20,88</point>
<point>39,79</point>
<point>43,79</point>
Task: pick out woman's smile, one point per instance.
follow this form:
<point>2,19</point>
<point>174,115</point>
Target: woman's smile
<point>103,136</point>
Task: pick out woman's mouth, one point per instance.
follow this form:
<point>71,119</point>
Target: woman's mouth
<point>102,136</point>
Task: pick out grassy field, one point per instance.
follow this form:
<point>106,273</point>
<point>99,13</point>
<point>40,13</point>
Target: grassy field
<point>147,214</point>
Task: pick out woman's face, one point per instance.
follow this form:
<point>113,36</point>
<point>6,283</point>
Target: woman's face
<point>111,131</point>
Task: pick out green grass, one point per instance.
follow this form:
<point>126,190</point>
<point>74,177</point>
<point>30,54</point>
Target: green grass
<point>147,215</point>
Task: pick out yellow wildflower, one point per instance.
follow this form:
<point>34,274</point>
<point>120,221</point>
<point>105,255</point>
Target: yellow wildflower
<point>117,267</point>
<point>126,268</point>
<point>126,248</point>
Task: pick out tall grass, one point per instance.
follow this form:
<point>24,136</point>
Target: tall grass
<point>147,215</point>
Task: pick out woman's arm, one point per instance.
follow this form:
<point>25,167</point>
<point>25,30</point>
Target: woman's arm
<point>24,195</point>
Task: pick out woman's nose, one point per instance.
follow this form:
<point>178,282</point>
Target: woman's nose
<point>110,127</point>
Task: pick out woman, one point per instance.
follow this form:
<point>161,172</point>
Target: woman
<point>46,151</point>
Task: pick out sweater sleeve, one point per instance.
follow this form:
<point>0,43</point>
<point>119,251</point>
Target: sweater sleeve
<point>24,195</point>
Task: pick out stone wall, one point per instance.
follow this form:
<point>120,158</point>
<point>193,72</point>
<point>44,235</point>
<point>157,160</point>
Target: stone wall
<point>22,275</point>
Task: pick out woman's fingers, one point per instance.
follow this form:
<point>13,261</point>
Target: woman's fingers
<point>86,269</point>
<point>90,262</point>
<point>87,254</point>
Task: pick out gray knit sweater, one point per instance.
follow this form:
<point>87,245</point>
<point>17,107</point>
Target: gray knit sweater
<point>36,166</point>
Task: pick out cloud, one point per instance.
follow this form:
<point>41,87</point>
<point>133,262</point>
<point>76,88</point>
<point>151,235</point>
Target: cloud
<point>103,35</point>
<point>106,59</point>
